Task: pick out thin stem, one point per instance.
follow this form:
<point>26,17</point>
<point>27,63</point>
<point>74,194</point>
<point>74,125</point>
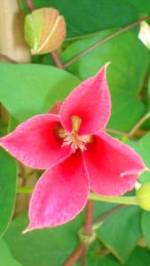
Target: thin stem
<point>99,221</point>
<point>115,131</point>
<point>87,228</point>
<point>88,218</point>
<point>104,40</point>
<point>56,59</point>
<point>30,5</point>
<point>138,125</point>
<point>126,200</point>
<point>82,248</point>
<point>75,255</point>
<point>79,251</point>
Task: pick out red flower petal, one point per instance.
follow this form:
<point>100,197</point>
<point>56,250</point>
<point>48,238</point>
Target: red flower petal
<point>60,194</point>
<point>113,167</point>
<point>91,102</point>
<point>35,143</point>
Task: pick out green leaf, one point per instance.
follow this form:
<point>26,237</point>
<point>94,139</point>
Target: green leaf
<point>143,147</point>
<point>7,189</point>
<point>6,256</point>
<point>142,7</point>
<point>105,261</point>
<point>126,73</point>
<point>26,90</point>
<point>42,247</point>
<point>51,245</point>
<point>145,221</point>
<point>140,257</point>
<point>121,231</point>
<point>97,258</point>
<point>149,92</point>
<point>84,17</point>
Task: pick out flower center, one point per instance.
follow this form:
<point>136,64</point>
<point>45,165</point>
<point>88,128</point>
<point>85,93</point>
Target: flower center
<point>73,139</point>
<point>76,142</point>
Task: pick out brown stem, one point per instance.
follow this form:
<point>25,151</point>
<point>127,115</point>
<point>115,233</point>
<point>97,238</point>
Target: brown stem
<point>30,5</point>
<point>88,218</point>
<point>4,114</point>
<point>115,131</point>
<point>138,125</point>
<point>81,248</point>
<point>87,228</point>
<point>104,40</point>
<point>76,254</point>
<point>56,59</point>
<point>106,215</point>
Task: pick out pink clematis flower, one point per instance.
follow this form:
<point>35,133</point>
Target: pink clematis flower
<point>77,154</point>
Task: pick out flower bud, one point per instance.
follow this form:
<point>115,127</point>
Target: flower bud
<point>143,196</point>
<point>45,30</point>
<point>144,34</point>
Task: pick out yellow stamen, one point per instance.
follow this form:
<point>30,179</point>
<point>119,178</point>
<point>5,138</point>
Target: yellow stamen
<point>72,138</point>
<point>76,122</point>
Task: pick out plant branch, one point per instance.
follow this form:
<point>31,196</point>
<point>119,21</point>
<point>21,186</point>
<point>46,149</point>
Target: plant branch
<point>81,249</point>
<point>88,218</point>
<point>99,221</point>
<point>138,125</point>
<point>115,131</point>
<point>30,5</point>
<point>87,229</point>
<point>56,59</point>
<point>104,40</point>
<point>125,200</point>
<point>75,255</point>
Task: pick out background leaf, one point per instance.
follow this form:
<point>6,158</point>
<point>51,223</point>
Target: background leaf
<point>42,247</point>
<point>97,257</point>
<point>102,260</point>
<point>140,257</point>
<point>7,189</point>
<point>26,90</point>
<point>95,14</point>
<point>52,246</point>
<point>121,231</point>
<point>146,226</point>
<point>143,147</point>
<point>142,7</point>
<point>6,256</point>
